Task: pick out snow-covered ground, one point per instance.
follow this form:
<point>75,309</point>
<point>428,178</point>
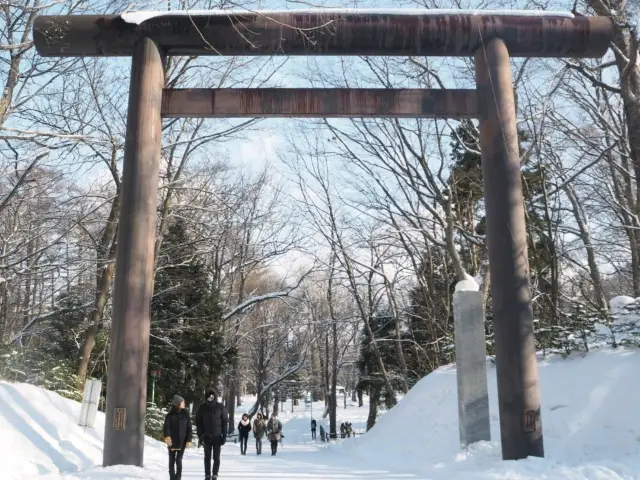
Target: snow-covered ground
<point>591,422</point>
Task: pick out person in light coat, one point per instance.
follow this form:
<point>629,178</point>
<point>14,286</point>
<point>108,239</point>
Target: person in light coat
<point>274,430</point>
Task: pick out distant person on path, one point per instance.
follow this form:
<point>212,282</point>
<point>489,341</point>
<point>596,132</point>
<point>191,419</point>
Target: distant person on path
<point>343,430</point>
<point>177,435</point>
<point>274,430</point>
<point>244,427</point>
<point>212,420</point>
<point>259,428</point>
<point>313,429</point>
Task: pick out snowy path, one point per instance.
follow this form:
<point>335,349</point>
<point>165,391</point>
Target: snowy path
<point>295,462</point>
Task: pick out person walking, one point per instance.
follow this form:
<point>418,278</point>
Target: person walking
<point>212,420</point>
<point>313,429</point>
<point>274,430</point>
<point>259,428</point>
<point>342,430</point>
<point>177,435</point>
<point>244,427</point>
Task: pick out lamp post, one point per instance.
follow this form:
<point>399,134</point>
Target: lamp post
<point>154,374</point>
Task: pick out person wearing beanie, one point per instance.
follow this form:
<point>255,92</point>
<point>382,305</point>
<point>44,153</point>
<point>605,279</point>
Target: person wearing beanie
<point>178,432</point>
<point>212,421</point>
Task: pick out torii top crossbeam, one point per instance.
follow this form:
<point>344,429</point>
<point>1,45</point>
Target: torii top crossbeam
<point>400,32</point>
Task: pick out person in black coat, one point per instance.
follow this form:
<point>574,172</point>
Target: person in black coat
<point>177,435</point>
<point>244,427</point>
<point>313,429</point>
<point>212,420</point>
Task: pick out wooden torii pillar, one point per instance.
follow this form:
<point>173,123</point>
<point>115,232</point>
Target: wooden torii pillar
<point>491,37</point>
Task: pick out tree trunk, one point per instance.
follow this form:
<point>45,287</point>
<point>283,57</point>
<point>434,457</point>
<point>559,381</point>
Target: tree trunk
<point>276,402</point>
<point>26,303</point>
<point>360,398</point>
<point>374,398</point>
<point>105,266</point>
<point>232,394</point>
<point>327,387</point>
<point>396,319</point>
<point>315,374</point>
<point>450,240</point>
<point>585,236</point>
<point>95,320</point>
<point>333,416</point>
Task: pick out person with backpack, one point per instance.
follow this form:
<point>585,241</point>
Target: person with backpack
<point>313,429</point>
<point>274,430</point>
<point>177,432</point>
<point>212,420</point>
<point>244,427</point>
<point>259,428</point>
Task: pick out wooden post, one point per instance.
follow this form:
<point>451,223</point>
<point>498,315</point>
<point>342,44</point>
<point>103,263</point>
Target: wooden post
<point>517,368</point>
<point>127,376</point>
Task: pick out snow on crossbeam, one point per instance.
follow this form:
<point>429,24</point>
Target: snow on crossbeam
<point>395,32</point>
<point>139,17</point>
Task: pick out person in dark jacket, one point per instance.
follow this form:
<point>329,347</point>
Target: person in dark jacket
<point>274,430</point>
<point>177,435</point>
<point>259,427</point>
<point>212,420</point>
<point>313,429</point>
<point>244,427</point>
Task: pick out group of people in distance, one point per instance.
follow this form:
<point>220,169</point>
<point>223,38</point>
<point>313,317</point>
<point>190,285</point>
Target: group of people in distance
<point>272,428</point>
<point>212,419</point>
<point>346,429</point>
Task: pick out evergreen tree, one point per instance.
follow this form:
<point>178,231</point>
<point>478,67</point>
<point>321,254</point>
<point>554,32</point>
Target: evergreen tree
<point>466,185</point>
<point>187,343</point>
<point>371,379</point>
<point>430,332</point>
<point>72,309</point>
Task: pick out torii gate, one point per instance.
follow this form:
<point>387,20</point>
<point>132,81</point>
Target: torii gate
<point>491,37</point>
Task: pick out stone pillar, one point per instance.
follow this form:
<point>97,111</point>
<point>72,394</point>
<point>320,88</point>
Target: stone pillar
<point>471,368</point>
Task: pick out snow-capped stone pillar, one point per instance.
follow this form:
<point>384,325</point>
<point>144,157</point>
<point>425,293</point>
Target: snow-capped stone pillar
<point>471,366</point>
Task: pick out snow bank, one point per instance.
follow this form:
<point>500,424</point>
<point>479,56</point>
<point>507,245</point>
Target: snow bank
<point>139,17</point>
<point>618,304</point>
<point>590,418</point>
<point>40,428</point>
